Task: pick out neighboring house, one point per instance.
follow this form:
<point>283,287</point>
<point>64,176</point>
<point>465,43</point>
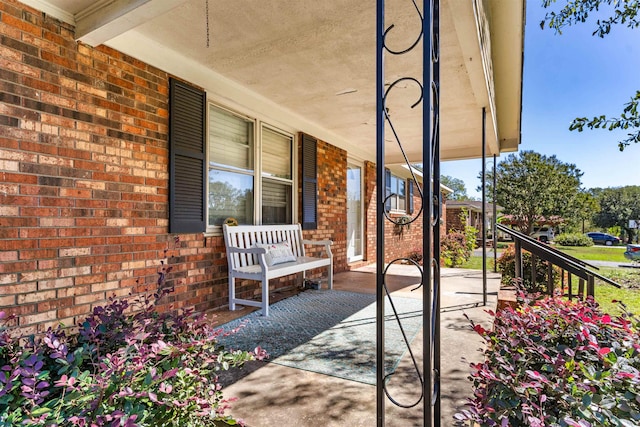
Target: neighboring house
<point>552,221</point>
<point>128,131</point>
<point>471,211</point>
<point>545,228</point>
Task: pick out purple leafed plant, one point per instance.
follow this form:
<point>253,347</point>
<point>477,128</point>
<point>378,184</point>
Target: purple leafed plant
<point>127,365</point>
<point>554,362</point>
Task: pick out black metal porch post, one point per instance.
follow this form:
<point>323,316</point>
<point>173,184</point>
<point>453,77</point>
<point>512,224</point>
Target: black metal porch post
<point>380,196</point>
<point>495,218</point>
<point>431,206</point>
<point>432,142</point>
<point>484,206</point>
<point>429,209</point>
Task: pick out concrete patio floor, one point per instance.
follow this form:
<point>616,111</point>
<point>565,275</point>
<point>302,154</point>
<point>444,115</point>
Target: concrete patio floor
<point>274,395</point>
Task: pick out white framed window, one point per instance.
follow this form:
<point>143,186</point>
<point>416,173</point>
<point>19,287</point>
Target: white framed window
<point>398,189</point>
<point>277,177</point>
<point>250,170</point>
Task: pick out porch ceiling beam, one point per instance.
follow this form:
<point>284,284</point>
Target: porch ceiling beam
<point>107,19</point>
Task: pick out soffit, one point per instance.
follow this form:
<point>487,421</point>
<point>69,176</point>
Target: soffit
<point>311,66</point>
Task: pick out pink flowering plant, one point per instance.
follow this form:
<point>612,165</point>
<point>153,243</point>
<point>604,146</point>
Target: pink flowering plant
<point>554,362</point>
<point>127,365</point>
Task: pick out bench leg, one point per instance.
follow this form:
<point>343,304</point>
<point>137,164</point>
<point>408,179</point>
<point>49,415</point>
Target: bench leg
<point>232,293</point>
<point>265,297</point>
<point>330,275</point>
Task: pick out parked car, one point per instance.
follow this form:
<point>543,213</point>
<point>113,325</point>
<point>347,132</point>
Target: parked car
<point>544,234</point>
<point>633,253</point>
<point>603,238</point>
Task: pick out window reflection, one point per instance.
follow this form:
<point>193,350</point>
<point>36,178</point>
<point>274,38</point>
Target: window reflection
<point>230,195</point>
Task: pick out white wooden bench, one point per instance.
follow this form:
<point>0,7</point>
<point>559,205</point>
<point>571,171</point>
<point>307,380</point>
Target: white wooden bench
<point>248,261</point>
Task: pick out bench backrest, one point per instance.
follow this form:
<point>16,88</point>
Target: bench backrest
<point>246,236</point>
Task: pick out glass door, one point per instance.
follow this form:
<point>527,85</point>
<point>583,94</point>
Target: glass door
<point>354,212</point>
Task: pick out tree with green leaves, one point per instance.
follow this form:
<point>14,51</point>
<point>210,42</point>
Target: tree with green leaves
<point>531,186</point>
<point>618,206</point>
<point>625,13</point>
<point>457,185</point>
<point>585,207</point>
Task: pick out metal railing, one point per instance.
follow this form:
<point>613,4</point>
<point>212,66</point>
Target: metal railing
<point>569,266</point>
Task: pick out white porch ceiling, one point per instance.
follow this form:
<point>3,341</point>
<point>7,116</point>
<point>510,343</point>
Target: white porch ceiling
<point>310,65</point>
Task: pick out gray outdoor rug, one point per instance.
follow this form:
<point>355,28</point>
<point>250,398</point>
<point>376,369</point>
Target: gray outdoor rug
<point>329,332</point>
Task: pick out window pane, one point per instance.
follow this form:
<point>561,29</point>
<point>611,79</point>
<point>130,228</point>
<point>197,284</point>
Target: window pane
<point>354,212</point>
<point>394,202</point>
<point>401,187</point>
<point>401,194</point>
<point>230,140</point>
<point>276,154</point>
<point>276,202</point>
<point>230,195</point>
<point>398,187</point>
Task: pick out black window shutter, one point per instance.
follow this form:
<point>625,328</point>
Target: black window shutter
<point>187,172</point>
<point>387,188</point>
<point>409,196</point>
<point>309,182</point>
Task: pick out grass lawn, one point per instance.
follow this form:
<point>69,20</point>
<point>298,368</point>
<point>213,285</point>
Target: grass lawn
<point>596,253</point>
<point>605,294</point>
<point>628,277</point>
<point>475,263</point>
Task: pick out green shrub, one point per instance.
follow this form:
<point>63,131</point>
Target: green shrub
<point>507,266</point>
<point>557,363</point>
<point>573,239</point>
<point>454,249</point>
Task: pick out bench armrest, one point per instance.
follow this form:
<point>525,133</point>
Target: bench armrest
<point>261,252</point>
<point>326,243</point>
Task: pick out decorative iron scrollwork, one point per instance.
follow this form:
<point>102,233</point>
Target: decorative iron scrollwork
<point>430,277</point>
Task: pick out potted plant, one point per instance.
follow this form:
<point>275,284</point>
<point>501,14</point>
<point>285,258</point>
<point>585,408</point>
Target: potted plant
<point>401,223</point>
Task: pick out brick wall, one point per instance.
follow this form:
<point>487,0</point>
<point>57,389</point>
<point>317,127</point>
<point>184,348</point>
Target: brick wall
<point>370,211</point>
<point>83,167</point>
<point>445,216</point>
<point>332,205</point>
<point>454,222</point>
<point>332,201</point>
<point>396,245</point>
<point>474,218</point>
<point>84,182</point>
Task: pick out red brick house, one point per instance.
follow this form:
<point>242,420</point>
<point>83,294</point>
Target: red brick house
<point>472,211</point>
<point>99,105</point>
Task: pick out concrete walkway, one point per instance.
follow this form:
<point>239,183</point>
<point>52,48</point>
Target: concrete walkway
<point>274,395</point>
<point>613,264</point>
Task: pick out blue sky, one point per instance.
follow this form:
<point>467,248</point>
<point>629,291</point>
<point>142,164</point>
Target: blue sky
<point>573,75</point>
